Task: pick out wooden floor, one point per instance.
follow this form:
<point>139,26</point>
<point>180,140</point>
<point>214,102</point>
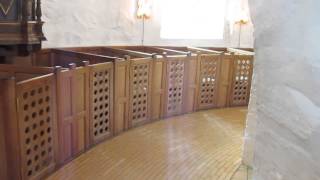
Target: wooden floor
<point>243,173</point>
<point>202,145</point>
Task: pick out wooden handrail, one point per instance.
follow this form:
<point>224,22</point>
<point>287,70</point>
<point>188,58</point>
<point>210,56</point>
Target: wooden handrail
<point>22,69</point>
<point>83,54</point>
<point>243,52</point>
<point>174,51</point>
<point>36,78</point>
<point>129,52</point>
<point>205,50</point>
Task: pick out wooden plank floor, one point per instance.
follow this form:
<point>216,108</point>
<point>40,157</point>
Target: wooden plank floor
<point>202,145</point>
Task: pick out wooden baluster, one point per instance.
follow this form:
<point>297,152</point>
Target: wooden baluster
<point>25,11</point>
<point>165,54</point>
<point>29,10</point>
<point>154,55</point>
<point>38,11</point>
<point>72,66</point>
<point>85,63</point>
<point>127,57</point>
<point>40,23</point>
<point>33,10</point>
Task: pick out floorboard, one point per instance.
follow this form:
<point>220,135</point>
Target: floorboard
<point>202,145</point>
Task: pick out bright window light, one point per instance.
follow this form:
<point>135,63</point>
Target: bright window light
<point>193,19</point>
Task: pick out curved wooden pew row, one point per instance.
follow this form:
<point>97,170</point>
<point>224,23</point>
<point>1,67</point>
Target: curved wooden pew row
<point>240,74</point>
<point>177,85</point>
<point>99,92</point>
<point>84,98</point>
<point>137,88</point>
<point>208,92</point>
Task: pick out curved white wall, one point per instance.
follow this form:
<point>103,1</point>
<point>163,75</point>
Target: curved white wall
<point>287,101</point>
<point>105,22</point>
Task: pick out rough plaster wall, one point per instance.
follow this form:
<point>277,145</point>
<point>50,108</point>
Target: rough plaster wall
<point>105,22</point>
<point>89,22</point>
<point>287,141</point>
<point>251,125</point>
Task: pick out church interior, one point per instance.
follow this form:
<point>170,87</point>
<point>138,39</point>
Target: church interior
<point>159,90</point>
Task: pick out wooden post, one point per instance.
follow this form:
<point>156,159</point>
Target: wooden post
<point>11,129</point>
<point>164,54</point>
<point>231,61</point>
<point>87,103</point>
<point>72,66</point>
<point>59,117</point>
<point>158,88</point>
<point>38,11</point>
<point>86,63</point>
<point>3,152</point>
<point>121,95</point>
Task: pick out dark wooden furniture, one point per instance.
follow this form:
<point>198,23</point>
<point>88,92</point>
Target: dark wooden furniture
<point>20,27</point>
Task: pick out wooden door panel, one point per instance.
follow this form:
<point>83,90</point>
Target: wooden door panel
<point>121,95</point>
<point>35,109</point>
<point>175,86</point>
<point>101,102</point>
<point>241,80</point>
<point>140,91</point>
<point>73,99</point>
<point>190,83</point>
<point>158,89</point>
<point>66,142</point>
<point>66,93</point>
<point>208,82</point>
<point>81,136</point>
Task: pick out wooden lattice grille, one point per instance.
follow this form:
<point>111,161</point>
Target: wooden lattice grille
<point>102,80</point>
<point>208,85</point>
<point>241,80</point>
<point>176,70</point>
<point>140,92</point>
<point>35,108</point>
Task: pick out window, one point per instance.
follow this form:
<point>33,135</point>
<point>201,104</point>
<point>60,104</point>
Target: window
<point>193,19</point>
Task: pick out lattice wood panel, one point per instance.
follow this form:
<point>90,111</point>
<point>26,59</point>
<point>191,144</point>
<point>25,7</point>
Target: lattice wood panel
<point>175,87</point>
<point>241,83</point>
<point>140,79</point>
<point>36,123</point>
<point>208,81</point>
<point>101,102</point>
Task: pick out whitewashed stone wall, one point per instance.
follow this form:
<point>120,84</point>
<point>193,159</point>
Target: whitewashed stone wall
<point>89,22</point>
<point>287,137</point>
<point>105,22</point>
<point>251,125</point>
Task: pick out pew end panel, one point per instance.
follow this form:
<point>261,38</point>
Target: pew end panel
<point>30,126</point>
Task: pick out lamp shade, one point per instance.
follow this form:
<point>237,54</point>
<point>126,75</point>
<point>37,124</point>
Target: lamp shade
<point>242,17</point>
<point>144,9</point>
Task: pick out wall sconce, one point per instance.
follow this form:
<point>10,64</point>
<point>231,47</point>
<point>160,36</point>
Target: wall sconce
<point>143,12</point>
<point>144,9</point>
<point>241,19</point>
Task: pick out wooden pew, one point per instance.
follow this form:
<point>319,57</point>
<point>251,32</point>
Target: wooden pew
<point>28,119</point>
